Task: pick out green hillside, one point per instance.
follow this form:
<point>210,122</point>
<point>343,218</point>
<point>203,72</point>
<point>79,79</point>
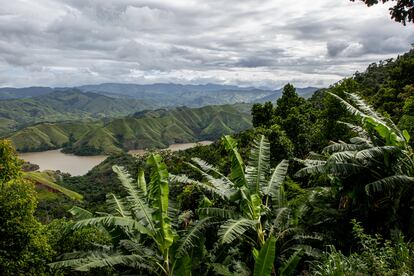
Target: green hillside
<point>150,129</point>
<point>47,181</point>
<point>43,136</point>
<point>62,106</point>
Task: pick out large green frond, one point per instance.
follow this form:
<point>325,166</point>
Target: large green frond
<point>276,180</point>
<point>234,229</point>
<point>281,221</point>
<point>288,267</point>
<point>218,213</point>
<point>237,174</point>
<point>158,192</point>
<point>136,199</point>
<point>367,155</point>
<point>389,184</point>
<point>258,165</point>
<point>223,184</point>
<point>357,129</point>
<point>204,186</point>
<point>142,184</point>
<point>190,239</point>
<point>110,221</point>
<point>117,205</point>
<point>342,156</point>
<point>338,147</point>
<point>80,213</point>
<point>264,262</point>
<point>96,260</point>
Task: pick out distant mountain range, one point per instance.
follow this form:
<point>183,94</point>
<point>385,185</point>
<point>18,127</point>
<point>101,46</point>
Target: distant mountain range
<point>165,94</point>
<point>60,106</point>
<point>20,107</point>
<point>148,129</point>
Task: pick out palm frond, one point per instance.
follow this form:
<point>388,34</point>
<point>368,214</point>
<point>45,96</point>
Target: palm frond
<point>351,109</point>
<point>361,141</point>
<point>137,247</point>
<point>342,156</point>
<point>158,193</point>
<point>221,269</point>
<point>375,152</point>
<point>117,205</point>
<point>281,220</point>
<point>218,213</point>
<point>135,198</point>
<point>210,188</point>
<point>276,180</point>
<point>222,184</point>
<point>190,239</point>
<point>237,174</point>
<point>80,213</point>
<point>312,169</point>
<point>389,184</point>
<point>234,229</point>
<point>110,220</point>
<point>258,165</point>
<point>355,128</point>
<point>339,147</point>
<point>364,107</point>
<point>264,261</point>
<point>288,267</point>
<point>206,167</point>
<point>103,260</point>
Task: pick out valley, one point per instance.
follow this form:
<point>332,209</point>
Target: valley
<point>141,130</point>
<point>180,138</point>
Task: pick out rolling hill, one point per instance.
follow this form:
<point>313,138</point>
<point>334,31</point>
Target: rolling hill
<point>62,106</point>
<point>147,129</point>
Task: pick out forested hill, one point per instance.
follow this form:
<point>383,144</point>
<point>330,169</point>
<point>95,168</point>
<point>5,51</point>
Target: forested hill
<point>148,129</point>
<point>63,105</point>
<point>389,85</point>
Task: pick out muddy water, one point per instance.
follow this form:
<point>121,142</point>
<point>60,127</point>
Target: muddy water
<point>175,147</point>
<point>80,165</point>
<point>68,163</point>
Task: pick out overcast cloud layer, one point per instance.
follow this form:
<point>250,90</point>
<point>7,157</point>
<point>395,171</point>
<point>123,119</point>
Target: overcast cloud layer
<point>249,42</point>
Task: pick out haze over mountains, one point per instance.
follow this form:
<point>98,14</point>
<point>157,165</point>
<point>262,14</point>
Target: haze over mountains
<point>166,94</point>
<point>20,107</point>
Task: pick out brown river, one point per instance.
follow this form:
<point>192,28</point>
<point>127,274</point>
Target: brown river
<point>80,165</point>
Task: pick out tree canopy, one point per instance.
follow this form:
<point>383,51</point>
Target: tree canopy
<point>402,11</point>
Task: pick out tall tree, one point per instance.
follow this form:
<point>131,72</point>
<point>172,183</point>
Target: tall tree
<point>24,248</point>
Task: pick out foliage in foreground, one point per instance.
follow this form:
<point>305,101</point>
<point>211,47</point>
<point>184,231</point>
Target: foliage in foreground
<point>24,247</point>
<point>377,257</point>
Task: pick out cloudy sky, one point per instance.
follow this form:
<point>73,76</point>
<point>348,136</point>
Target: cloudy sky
<point>244,42</point>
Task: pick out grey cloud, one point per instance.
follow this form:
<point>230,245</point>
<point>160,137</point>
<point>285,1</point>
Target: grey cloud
<point>336,47</point>
<point>71,42</point>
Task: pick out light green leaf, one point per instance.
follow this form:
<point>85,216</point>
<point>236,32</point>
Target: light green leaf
<point>264,262</point>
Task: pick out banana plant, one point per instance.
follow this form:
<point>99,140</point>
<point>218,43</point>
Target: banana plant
<point>143,237</point>
<point>376,167</point>
<point>257,197</point>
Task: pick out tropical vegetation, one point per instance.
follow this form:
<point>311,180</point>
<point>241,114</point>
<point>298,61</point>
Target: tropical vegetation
<point>318,186</point>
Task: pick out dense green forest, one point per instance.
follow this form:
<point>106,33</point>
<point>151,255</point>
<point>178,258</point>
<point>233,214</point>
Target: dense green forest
<point>143,129</point>
<point>318,186</point>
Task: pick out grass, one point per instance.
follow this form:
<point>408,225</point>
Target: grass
<point>45,179</point>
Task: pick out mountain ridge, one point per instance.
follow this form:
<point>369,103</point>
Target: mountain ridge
<point>151,129</point>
